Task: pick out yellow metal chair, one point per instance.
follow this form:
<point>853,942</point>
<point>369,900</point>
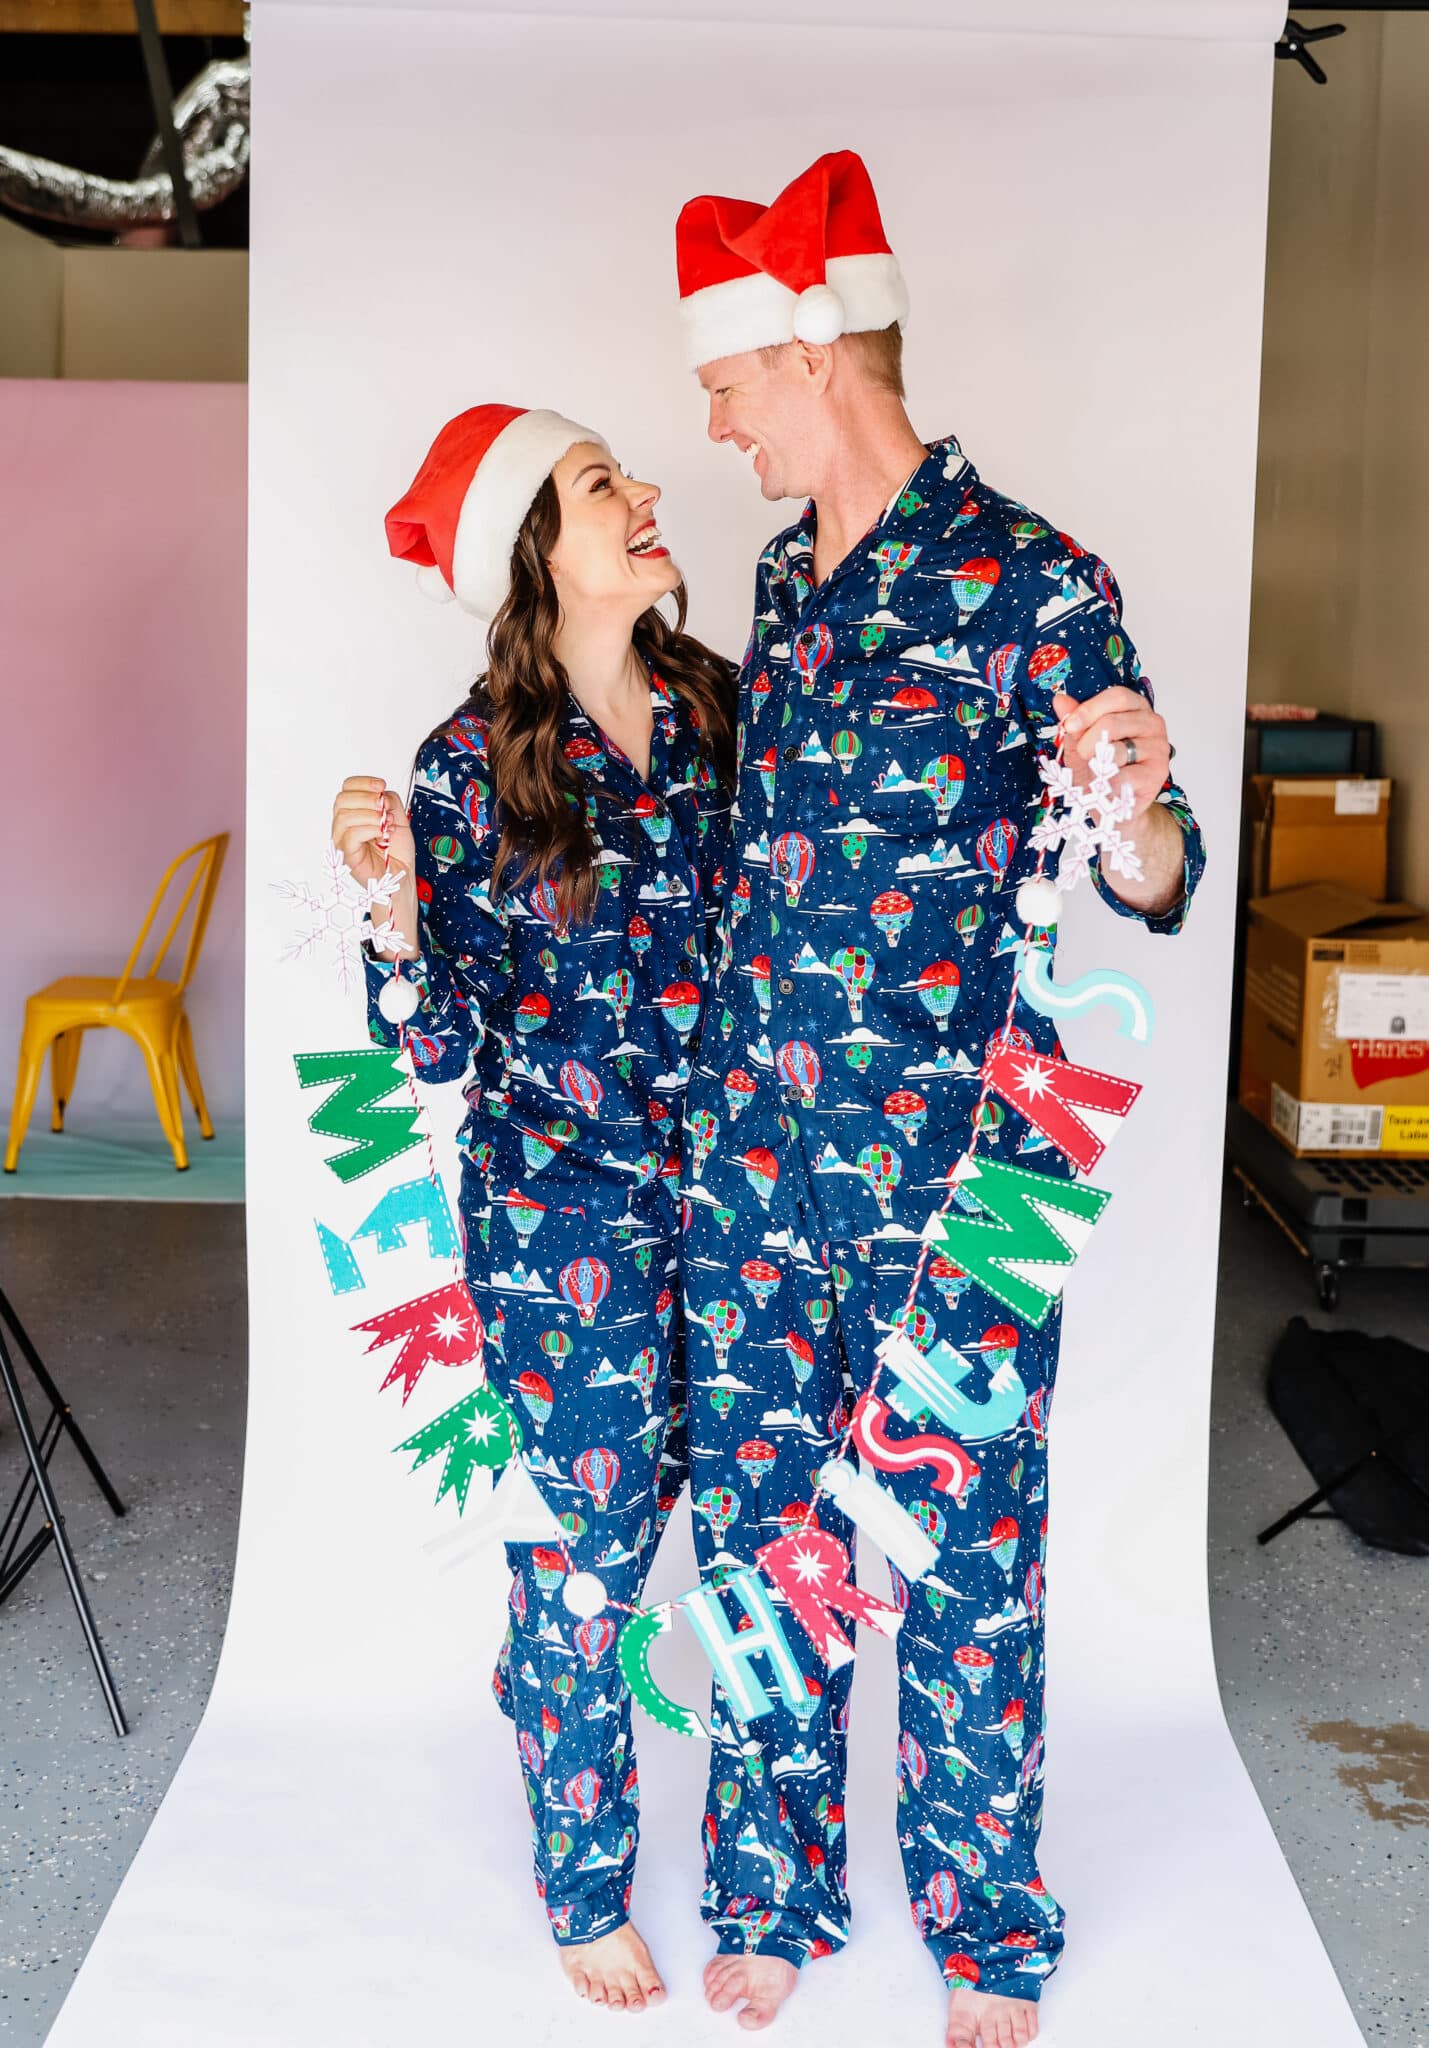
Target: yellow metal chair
<point>149,1010</point>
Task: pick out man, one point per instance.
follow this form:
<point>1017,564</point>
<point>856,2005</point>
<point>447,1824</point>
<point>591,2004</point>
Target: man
<point>918,638</point>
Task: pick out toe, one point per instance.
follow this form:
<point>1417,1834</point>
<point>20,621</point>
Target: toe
<point>580,1983</point>
<point>754,2015</point>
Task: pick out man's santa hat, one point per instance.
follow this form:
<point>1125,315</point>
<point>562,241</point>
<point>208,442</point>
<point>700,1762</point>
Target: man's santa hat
<point>812,266</point>
<point>460,519</point>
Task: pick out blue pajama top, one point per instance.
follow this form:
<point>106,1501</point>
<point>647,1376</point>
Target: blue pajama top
<point>579,1041</point>
<point>889,726</point>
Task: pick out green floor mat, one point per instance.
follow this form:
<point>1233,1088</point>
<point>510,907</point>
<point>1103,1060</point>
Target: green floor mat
<point>127,1160</point>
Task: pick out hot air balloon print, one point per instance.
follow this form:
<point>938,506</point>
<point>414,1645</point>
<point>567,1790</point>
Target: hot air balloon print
<point>761,1170</point>
<point>767,769</point>
<point>618,988</point>
<point>853,846</point>
<point>871,637</point>
<point>583,1793</point>
<point>728,1795</point>
<point>1104,583</point>
<point>549,965</point>
<point>525,1214</point>
<point>1002,666</point>
<point>539,1148</point>
<point>739,902</point>
<point>907,1111</point>
<point>996,844</point>
<point>654,819</point>
<point>739,1090</point>
<point>882,1168</point>
<point>719,1506</point>
<point>582,752</point>
<point>584,1283</point>
<point>969,921</point>
<point>973,584</point>
<point>971,714</point>
<point>544,904</point>
<point>425,1050</point>
<point>943,779</point>
<point>847,746</point>
<point>580,1086</point>
<point>855,969</point>
<point>475,799</point>
<point>704,1129</point>
<point>597,1470</point>
<point>536,1397</point>
<point>754,1459</point>
<point>725,1322</point>
<point>791,856</point>
<point>640,932</point>
<point>1049,666</point>
<point>556,1345</point>
<point>722,1400</point>
<point>949,1279</point>
<point>563,1684</point>
<point>1115,651</point>
<point>892,912</point>
<point>998,1345</point>
<point>912,1759</point>
<point>664,1309</point>
<point>820,1312</point>
<point>759,691</point>
<point>916,1324</point>
<point>892,558</point>
<point>760,972</point>
<point>1002,1540</point>
<point>948,1701</point>
<point>799,1066</point>
<point>681,1003</point>
<point>812,648</point>
<point>643,1368</point>
<point>761,1279</point>
<point>801,1355</point>
<point>531,1753</point>
<point>974,1664</point>
<point>938,986</point>
<point>988,1118</point>
<point>943,1901</point>
<point>560,1845</point>
<point>549,1567</point>
<point>859,1056</point>
<point>446,852</point>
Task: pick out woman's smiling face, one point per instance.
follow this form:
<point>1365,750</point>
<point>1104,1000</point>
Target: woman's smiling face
<point>609,553</point>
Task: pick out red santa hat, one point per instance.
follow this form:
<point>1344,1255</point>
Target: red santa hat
<point>812,266</point>
<point>460,519</point>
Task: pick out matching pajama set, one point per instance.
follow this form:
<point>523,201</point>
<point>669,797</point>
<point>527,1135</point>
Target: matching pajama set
<point>890,722</point>
<point>578,1043</point>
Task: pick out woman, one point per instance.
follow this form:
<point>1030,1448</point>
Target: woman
<point>561,872</point>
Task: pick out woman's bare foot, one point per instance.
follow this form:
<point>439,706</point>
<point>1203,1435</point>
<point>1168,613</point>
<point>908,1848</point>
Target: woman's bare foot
<point>981,2016</point>
<point>615,1970</point>
<point>764,1981</point>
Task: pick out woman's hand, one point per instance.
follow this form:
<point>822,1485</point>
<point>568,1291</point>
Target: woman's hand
<point>363,809</point>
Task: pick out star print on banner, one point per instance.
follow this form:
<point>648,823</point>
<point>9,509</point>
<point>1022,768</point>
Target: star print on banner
<point>440,1328</point>
<point>340,916</point>
<point>1078,1108</point>
<point>810,1566</point>
<point>1085,822</point>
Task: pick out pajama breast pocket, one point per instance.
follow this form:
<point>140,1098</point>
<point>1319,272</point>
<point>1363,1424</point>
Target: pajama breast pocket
<point>914,770</point>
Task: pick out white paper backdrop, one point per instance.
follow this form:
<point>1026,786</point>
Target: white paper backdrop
<point>450,208</point>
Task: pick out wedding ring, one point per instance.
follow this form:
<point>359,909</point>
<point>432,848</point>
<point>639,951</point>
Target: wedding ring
<point>1131,753</point>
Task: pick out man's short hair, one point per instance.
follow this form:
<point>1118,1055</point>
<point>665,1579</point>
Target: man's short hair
<point>877,350</point>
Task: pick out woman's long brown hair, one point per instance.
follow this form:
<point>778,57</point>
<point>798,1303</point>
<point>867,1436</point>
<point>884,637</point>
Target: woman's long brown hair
<point>538,795</point>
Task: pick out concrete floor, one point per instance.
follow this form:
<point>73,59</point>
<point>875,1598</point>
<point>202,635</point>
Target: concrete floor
<point>1320,1641</point>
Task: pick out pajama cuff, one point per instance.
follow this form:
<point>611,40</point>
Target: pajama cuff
<point>794,1952</point>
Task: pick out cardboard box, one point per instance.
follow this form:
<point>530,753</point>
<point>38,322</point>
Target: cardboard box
<point>1334,1050</point>
<point>1320,828</point>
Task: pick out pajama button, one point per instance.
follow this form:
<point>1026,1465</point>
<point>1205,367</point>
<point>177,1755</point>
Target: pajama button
<point>791,753</point>
<point>786,987</point>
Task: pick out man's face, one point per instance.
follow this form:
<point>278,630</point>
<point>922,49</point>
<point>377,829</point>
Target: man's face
<point>773,413</point>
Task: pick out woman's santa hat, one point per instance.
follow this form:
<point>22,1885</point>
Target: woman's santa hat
<point>460,519</point>
<point>812,266</point>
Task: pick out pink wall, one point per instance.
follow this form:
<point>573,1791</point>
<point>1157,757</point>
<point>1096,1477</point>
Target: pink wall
<point>122,590</point>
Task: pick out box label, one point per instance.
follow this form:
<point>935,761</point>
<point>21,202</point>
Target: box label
<point>1382,1006</point>
<point>1327,1126</point>
<point>1356,799</point>
<point>1406,1130</point>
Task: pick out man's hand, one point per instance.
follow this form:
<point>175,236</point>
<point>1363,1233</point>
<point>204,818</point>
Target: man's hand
<point>1117,715</point>
<point>1121,715</point>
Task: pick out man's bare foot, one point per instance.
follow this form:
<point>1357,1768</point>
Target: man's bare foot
<point>982,2017</point>
<point>615,1970</point>
<point>764,1981</point>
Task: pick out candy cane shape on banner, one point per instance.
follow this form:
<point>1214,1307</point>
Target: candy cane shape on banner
<point>1049,998</point>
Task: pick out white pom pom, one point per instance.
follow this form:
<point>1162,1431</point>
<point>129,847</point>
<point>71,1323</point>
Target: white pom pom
<point>398,1000</point>
<point>818,314</point>
<point>432,583</point>
<point>1039,901</point>
<point>584,1594</point>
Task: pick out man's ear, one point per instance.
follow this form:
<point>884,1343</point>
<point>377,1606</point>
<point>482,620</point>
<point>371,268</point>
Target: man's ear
<point>816,363</point>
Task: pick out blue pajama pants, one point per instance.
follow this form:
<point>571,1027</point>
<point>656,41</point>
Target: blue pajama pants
<point>771,1388</point>
<point>598,1386</point>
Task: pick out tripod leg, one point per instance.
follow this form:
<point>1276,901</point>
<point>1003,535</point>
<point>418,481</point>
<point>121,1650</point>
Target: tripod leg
<point>57,1402</point>
<point>19,1510</point>
<point>61,1539</point>
<point>1312,1501</point>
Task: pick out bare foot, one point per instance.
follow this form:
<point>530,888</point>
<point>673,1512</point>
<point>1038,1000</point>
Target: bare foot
<point>615,1970</point>
<point>981,2016</point>
<point>764,1981</point>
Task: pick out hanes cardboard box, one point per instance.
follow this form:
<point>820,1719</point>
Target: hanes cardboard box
<point>1335,1026</point>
